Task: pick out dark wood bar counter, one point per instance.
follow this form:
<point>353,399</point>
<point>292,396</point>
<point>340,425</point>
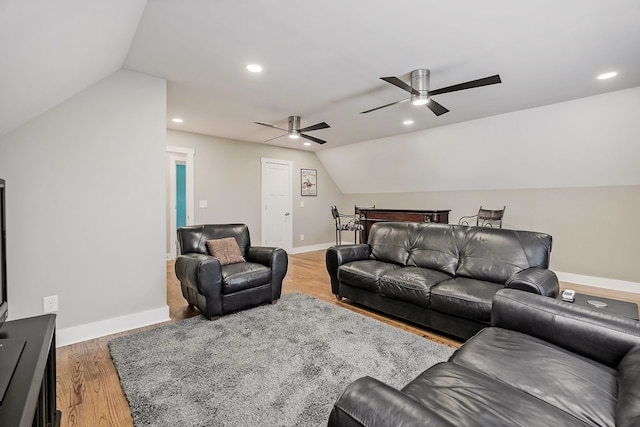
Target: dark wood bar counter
<point>369,216</point>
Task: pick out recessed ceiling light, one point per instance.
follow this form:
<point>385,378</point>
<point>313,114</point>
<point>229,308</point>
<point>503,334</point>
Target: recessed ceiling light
<point>254,68</point>
<point>307,143</point>
<point>407,122</point>
<point>607,75</point>
<point>177,120</point>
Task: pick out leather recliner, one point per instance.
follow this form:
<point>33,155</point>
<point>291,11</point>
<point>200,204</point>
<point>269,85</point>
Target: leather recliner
<point>217,289</point>
<point>543,362</point>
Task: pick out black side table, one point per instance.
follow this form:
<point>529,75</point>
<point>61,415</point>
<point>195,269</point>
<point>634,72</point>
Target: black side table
<point>615,307</point>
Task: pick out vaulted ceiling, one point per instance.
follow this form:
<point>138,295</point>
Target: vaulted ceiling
<point>321,59</point>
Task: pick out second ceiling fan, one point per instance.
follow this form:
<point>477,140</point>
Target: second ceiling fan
<point>421,95</point>
<point>294,130</point>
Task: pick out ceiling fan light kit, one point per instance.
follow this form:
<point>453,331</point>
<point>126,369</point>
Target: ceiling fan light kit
<point>294,126</point>
<point>420,84</point>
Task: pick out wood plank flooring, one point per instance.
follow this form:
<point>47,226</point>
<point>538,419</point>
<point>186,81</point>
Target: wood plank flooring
<point>88,387</point>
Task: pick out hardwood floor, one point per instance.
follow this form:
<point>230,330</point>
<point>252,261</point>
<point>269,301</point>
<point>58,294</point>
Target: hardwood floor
<point>88,387</point>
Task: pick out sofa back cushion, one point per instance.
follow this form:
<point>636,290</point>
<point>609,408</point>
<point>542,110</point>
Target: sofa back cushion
<point>390,241</point>
<point>628,407</point>
<point>435,246</point>
<point>193,238</point>
<point>494,254</point>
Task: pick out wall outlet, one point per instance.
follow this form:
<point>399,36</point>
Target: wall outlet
<point>203,204</point>
<point>50,304</point>
<point>302,237</point>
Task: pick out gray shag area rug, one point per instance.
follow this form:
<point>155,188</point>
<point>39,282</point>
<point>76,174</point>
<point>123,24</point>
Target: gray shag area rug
<point>274,365</point>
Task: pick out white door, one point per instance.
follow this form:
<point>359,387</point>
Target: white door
<point>277,219</point>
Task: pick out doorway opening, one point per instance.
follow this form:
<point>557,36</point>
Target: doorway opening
<point>180,194</point>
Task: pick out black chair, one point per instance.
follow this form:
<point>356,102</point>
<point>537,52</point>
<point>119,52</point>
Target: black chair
<point>238,277</point>
<point>485,218</point>
<point>345,223</point>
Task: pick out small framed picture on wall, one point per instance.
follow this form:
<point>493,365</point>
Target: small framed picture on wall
<point>308,182</point>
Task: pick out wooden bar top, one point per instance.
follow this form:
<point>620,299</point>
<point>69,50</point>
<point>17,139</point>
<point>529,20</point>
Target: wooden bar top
<point>371,215</point>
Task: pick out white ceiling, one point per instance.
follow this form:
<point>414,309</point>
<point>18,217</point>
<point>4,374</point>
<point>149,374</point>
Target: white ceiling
<point>322,59</point>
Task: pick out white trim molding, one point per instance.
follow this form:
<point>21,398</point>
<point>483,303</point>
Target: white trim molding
<point>99,329</point>
<point>311,248</point>
<point>189,154</point>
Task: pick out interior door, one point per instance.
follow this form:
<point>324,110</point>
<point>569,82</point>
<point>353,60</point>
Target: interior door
<point>277,218</point>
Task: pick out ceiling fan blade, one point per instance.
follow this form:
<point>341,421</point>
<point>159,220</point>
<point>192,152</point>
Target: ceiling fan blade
<point>399,83</point>
<point>383,106</point>
<point>322,125</point>
<point>270,125</point>
<point>492,80</point>
<point>275,137</point>
<point>437,109</point>
<point>311,138</point>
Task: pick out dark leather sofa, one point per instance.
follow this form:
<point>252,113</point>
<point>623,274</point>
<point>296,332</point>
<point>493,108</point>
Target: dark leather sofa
<point>217,289</point>
<point>440,276</point>
<point>543,362</point>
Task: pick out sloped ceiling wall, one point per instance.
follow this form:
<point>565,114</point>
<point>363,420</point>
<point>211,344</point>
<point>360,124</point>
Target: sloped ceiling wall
<point>588,142</point>
<point>52,50</point>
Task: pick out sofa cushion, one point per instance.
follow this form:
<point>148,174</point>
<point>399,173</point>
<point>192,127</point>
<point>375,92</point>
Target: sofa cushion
<point>581,387</point>
<point>246,275</point>
<point>465,397</point>
<point>364,274</point>
<point>628,409</point>
<point>411,284</point>
<point>390,241</point>
<point>492,255</point>
<point>465,297</point>
<point>434,246</point>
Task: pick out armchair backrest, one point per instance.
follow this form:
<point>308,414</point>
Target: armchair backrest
<point>193,238</point>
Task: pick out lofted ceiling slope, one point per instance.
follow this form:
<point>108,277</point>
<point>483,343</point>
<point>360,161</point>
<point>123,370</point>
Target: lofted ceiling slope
<point>322,59</point>
<point>51,50</point>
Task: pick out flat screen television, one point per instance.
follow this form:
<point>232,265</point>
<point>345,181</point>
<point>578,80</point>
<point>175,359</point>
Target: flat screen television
<point>10,347</point>
<point>3,256</point>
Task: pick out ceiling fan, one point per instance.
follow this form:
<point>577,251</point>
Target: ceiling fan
<point>294,130</point>
<point>421,95</point>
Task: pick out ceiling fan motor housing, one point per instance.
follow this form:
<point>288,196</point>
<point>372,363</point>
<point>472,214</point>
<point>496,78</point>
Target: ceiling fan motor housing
<point>420,82</point>
<point>294,126</point>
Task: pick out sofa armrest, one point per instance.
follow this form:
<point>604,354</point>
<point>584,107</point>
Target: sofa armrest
<point>537,280</point>
<point>337,255</point>
<point>200,272</point>
<point>371,403</point>
<point>274,258</point>
<point>588,332</point>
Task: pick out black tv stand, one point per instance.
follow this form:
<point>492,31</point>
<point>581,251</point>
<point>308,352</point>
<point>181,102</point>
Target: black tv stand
<point>10,351</point>
<point>30,399</point>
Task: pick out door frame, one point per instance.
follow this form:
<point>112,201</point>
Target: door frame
<point>186,156</point>
<point>289,165</point>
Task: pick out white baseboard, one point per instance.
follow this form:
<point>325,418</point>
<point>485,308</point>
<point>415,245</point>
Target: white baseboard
<point>302,249</point>
<point>599,282</point>
<point>93,330</point>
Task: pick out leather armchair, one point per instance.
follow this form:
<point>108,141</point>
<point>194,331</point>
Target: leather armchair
<point>217,289</point>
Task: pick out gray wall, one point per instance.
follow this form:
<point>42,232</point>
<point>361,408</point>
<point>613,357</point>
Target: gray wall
<point>595,229</point>
<point>85,203</point>
<point>228,177</point>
